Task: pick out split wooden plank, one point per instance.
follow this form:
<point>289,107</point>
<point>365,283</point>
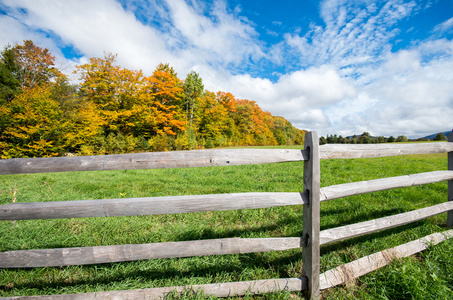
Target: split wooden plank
<point>362,187</point>
<point>358,229</point>
<point>118,253</point>
<point>346,273</point>
<point>341,151</point>
<point>146,206</point>
<point>151,160</point>
<point>311,217</point>
<point>225,289</point>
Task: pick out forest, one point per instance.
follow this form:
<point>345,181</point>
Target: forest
<point>115,110</point>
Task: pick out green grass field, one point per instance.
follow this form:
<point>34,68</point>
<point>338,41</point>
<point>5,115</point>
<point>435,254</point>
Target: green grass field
<point>428,275</point>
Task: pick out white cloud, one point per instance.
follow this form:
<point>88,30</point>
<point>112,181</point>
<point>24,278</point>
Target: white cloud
<point>94,27</point>
<point>402,62</point>
<point>444,27</point>
<point>355,32</point>
<point>228,39</point>
<point>408,95</point>
<point>189,38</point>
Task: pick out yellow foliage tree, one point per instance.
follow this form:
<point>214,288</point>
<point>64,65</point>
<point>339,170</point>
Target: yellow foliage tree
<point>33,125</point>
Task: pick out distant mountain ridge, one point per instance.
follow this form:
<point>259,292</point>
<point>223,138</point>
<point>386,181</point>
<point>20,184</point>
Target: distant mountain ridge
<point>433,136</point>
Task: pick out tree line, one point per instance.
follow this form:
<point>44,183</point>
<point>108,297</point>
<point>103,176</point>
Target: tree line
<point>116,110</point>
<point>366,138</point>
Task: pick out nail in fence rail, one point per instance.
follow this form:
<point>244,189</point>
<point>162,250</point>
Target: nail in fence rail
<point>311,282</point>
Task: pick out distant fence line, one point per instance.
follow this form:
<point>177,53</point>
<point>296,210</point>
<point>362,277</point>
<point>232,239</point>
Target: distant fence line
<point>312,238</point>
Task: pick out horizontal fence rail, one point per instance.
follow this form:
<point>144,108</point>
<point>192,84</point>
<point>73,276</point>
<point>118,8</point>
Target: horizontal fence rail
<point>200,203</point>
<point>342,151</point>
<point>362,187</point>
<point>206,158</point>
<point>151,160</point>
<point>118,253</point>
<point>348,272</point>
<point>146,206</point>
<point>358,229</point>
<point>225,289</point>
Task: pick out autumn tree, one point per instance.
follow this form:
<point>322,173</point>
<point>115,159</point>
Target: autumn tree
<point>253,123</point>
<point>166,87</point>
<point>115,92</point>
<point>285,133</point>
<point>33,125</point>
<point>166,91</point>
<point>32,122</point>
<point>213,120</point>
<point>35,65</point>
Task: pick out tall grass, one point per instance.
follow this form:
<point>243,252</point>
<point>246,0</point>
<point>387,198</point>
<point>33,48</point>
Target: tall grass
<point>424,276</point>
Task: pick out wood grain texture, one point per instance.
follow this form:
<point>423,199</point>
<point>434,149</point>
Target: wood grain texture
<point>311,217</point>
<point>341,151</point>
<point>450,182</point>
<point>224,289</point>
<point>362,187</point>
<point>358,229</point>
<point>346,273</point>
<point>146,206</point>
<point>118,253</point>
<point>151,160</point>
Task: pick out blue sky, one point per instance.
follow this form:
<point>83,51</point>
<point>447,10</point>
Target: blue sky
<point>334,66</point>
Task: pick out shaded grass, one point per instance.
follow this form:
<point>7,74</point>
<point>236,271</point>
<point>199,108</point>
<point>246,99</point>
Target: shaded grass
<point>271,222</point>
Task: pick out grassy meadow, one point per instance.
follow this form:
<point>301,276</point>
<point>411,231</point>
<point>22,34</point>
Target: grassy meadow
<point>428,275</point>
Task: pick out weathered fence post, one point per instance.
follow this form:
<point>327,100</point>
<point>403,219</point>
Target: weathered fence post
<point>450,183</point>
<point>311,215</point>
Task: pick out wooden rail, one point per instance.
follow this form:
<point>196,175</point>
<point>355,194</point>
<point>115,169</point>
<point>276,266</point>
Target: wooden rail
<point>152,160</point>
<point>348,272</point>
<point>146,206</point>
<point>117,253</point>
<point>358,229</point>
<point>225,289</point>
<point>199,203</point>
<point>312,238</point>
<point>342,151</point>
<point>209,158</point>
<point>369,186</point>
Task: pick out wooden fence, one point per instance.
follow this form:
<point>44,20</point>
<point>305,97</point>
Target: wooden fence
<point>311,280</point>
